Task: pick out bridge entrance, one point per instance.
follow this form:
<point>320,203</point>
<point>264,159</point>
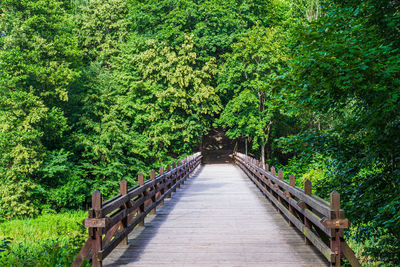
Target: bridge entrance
<point>224,215</point>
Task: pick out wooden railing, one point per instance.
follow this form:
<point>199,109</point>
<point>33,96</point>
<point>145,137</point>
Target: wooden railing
<point>111,221</point>
<point>321,222</point>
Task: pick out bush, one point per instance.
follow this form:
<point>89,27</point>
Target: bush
<point>48,240</point>
<point>15,199</point>
<point>50,252</point>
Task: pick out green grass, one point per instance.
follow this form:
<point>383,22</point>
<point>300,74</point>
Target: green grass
<point>48,240</point>
<point>44,227</point>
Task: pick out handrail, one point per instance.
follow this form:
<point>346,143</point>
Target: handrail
<point>321,222</point>
<point>111,221</point>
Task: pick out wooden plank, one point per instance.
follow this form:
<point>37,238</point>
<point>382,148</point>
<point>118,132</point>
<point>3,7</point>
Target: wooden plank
<point>325,250</point>
<point>350,256</point>
<point>93,222</point>
<point>118,200</point>
<point>315,203</point>
<point>110,234</point>
<point>335,223</point>
<point>93,248</point>
<point>97,232</point>
<point>302,208</point>
<point>83,254</point>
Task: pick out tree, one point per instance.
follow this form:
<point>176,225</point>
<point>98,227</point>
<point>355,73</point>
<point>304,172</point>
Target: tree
<point>248,77</point>
<point>152,104</point>
<point>38,56</point>
<point>102,26</point>
<point>345,64</point>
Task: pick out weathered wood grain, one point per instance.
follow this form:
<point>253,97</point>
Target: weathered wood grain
<point>217,218</point>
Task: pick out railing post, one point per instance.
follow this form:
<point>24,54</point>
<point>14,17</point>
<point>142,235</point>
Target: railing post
<point>336,234</point>
<point>155,188</point>
<point>266,168</point>
<point>292,183</point>
<point>175,175</point>
<point>170,178</point>
<point>123,188</point>
<point>273,170</point>
<point>141,208</point>
<point>179,173</point>
<point>307,191</point>
<point>280,177</point>
<point>97,232</point>
<point>161,171</point>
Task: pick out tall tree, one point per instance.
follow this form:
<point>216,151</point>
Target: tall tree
<point>152,104</point>
<point>345,64</point>
<point>38,60</point>
<point>248,77</point>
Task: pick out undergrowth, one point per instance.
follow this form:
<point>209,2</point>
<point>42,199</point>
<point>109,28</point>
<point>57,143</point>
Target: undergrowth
<point>48,240</point>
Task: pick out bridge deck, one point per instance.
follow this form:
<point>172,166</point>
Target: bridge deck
<point>217,218</point>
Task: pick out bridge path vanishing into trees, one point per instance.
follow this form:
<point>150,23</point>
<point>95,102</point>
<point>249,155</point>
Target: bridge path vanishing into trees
<point>219,217</point>
<point>214,215</point>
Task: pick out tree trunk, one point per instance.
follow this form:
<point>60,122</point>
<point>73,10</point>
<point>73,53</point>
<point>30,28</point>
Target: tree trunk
<point>263,151</point>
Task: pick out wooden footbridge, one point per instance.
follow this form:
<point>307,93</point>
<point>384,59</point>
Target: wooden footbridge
<point>216,215</point>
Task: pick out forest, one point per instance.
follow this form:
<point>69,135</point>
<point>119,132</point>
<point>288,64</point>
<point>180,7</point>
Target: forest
<point>96,91</point>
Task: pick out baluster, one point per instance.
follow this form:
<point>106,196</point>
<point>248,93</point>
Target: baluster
<point>292,182</point>
<point>337,234</point>
<point>307,191</point>
<point>141,208</point>
<point>161,171</point>
<point>155,188</point>
<point>175,175</point>
<point>169,179</point>
<point>97,232</point>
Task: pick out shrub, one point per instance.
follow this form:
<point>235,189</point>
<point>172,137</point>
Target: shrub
<point>15,199</point>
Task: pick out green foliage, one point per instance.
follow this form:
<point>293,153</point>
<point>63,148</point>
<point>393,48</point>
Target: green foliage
<point>16,200</point>
<point>39,57</point>
<point>92,92</point>
<point>214,24</point>
<point>49,240</point>
<point>344,65</point>
<point>102,25</point>
<point>312,168</point>
<point>247,80</point>
<point>38,50</point>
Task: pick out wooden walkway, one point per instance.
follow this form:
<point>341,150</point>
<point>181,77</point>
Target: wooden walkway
<point>217,218</point>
